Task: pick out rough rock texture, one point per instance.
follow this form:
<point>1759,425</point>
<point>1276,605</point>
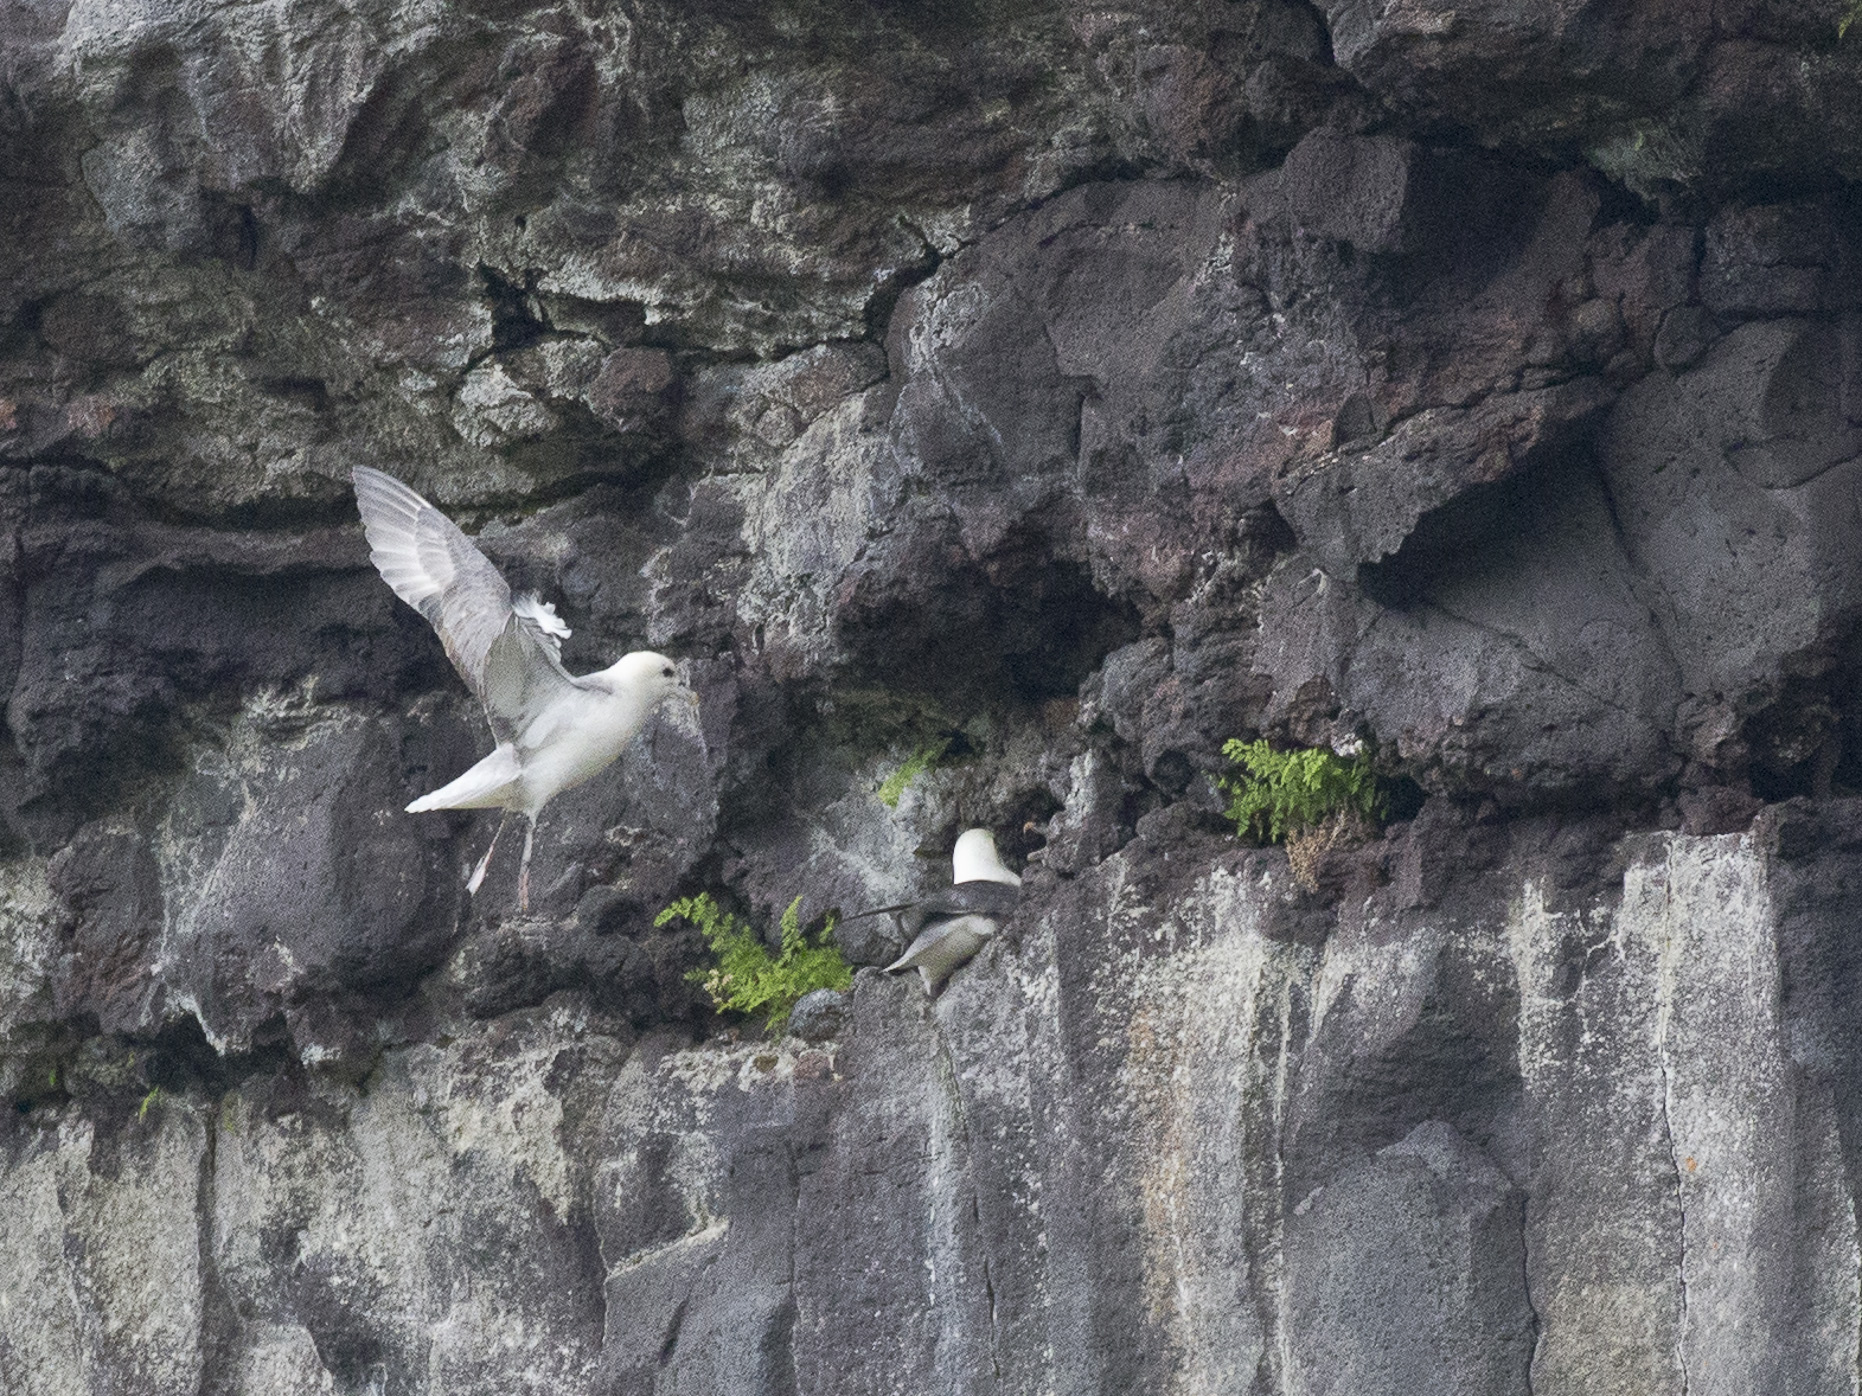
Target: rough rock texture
<point>1063,391</point>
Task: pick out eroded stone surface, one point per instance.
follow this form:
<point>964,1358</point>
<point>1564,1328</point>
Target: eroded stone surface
<point>1038,395</point>
<point>1449,1140</point>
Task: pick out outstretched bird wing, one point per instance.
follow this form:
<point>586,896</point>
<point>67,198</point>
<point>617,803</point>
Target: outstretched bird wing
<point>508,651</point>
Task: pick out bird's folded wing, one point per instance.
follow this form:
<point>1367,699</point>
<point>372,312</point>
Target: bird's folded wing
<point>987,898</point>
<point>966,898</point>
<point>507,653</point>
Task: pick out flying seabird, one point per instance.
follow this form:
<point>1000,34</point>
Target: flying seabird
<point>554,730</point>
<point>951,927</point>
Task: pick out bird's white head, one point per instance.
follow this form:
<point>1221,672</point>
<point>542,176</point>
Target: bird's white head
<point>974,860</point>
<point>646,675</point>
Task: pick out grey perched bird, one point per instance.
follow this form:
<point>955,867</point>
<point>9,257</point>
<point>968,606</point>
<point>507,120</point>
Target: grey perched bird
<point>554,730</point>
<point>951,927</point>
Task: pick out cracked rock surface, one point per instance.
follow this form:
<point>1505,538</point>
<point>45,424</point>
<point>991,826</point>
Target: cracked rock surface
<point>1039,394</point>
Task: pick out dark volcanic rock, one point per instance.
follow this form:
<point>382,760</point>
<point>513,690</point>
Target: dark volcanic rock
<point>994,410</point>
<point>820,1015</point>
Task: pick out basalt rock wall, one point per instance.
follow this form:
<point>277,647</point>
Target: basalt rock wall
<point>1051,393</point>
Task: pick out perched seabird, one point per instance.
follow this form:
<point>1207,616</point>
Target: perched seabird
<point>554,730</point>
<point>951,927</point>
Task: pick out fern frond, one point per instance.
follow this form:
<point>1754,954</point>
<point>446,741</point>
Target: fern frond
<point>745,977</point>
<point>1282,792</point>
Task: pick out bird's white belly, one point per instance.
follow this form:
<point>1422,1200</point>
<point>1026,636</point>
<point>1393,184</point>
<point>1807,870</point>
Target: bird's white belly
<point>944,947</point>
<point>573,739</point>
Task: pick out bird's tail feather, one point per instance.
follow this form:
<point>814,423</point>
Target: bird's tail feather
<point>488,785</point>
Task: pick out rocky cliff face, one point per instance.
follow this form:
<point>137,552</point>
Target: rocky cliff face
<point>1066,390</point>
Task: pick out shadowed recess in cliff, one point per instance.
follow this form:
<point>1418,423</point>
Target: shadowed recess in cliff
<point>1434,221</point>
<point>1479,533</point>
<point>1369,1077</point>
<point>1808,739</point>
<point>136,1070</point>
<point>1022,627</point>
<point>1513,619</point>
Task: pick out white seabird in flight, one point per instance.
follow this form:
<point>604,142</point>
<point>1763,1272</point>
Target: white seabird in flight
<point>554,730</point>
<point>952,926</point>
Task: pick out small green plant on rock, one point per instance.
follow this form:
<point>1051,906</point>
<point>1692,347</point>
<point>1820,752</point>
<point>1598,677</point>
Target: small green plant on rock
<point>747,978</point>
<point>1278,793</point>
<point>1849,19</point>
<point>893,788</point>
<point>1315,800</point>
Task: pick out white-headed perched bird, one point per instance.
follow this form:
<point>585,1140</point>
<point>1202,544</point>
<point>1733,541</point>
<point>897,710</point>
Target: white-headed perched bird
<point>950,928</point>
<point>554,730</point>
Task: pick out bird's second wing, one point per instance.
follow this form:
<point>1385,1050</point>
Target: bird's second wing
<point>507,653</point>
<point>523,674</point>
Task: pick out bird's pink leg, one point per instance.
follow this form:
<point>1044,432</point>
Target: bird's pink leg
<point>478,873</point>
<point>523,871</point>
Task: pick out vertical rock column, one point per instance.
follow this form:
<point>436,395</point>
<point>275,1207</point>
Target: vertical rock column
<point>1688,1229</point>
<point>102,1269</point>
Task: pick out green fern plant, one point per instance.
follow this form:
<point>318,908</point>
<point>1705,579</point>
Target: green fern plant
<point>1854,14</point>
<point>1276,793</point>
<point>746,977</point>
